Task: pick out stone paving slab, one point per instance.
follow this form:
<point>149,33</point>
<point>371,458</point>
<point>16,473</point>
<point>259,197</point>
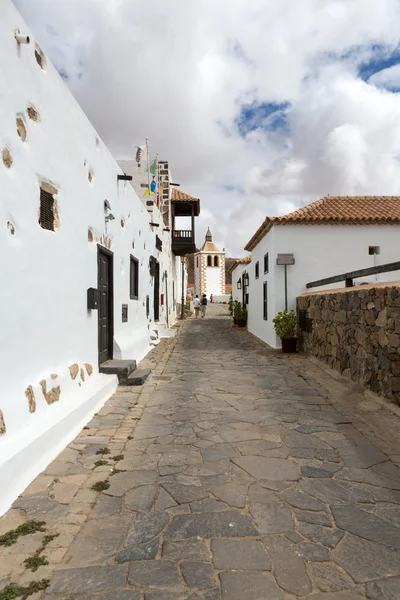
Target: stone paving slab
<point>235,472</point>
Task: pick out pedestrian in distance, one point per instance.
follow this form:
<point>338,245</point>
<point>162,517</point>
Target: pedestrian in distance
<point>196,306</point>
<point>203,306</point>
<point>211,298</point>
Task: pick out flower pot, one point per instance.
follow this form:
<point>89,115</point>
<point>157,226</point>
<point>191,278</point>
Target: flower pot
<point>289,344</point>
<point>241,322</point>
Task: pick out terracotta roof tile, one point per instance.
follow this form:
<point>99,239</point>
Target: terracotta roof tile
<point>239,261</point>
<point>179,195</point>
<point>209,247</point>
<point>337,210</point>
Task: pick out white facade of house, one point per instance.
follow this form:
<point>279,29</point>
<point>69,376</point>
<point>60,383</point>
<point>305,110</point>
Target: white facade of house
<point>320,251</point>
<point>49,374</point>
<point>237,279</point>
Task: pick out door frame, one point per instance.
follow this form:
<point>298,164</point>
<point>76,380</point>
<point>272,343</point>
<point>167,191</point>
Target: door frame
<point>110,255</point>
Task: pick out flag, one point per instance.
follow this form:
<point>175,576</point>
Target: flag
<point>140,153</point>
<point>153,186</point>
<point>153,167</point>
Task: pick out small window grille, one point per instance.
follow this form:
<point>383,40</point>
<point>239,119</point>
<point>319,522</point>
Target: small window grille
<point>265,301</point>
<point>266,263</point>
<point>134,279</point>
<point>257,269</point>
<point>374,250</point>
<point>46,216</point>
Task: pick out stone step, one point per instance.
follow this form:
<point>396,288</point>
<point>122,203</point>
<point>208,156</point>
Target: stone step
<point>139,377</point>
<point>121,368</point>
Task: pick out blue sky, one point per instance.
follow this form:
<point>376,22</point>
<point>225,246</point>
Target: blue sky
<point>268,116</point>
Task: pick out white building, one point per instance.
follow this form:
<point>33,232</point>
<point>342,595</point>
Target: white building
<point>240,270</point>
<point>331,236</point>
<point>88,274</point>
<point>209,269</point>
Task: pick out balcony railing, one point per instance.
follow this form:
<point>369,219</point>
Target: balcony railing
<point>183,241</point>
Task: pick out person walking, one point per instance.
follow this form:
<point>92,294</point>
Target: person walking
<point>211,298</point>
<point>196,306</point>
<point>203,306</point>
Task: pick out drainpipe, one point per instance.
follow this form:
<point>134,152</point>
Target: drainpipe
<point>166,295</point>
<point>183,287</point>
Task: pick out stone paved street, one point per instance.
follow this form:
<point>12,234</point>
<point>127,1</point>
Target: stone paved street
<point>235,473</point>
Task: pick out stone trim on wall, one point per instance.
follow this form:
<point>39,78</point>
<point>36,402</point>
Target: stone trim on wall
<point>357,332</point>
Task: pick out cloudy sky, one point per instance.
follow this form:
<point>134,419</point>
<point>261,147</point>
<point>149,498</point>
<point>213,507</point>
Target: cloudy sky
<point>261,106</point>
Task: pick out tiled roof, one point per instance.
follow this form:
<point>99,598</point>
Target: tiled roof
<point>357,210</point>
<point>240,261</point>
<point>179,195</point>
<point>209,247</point>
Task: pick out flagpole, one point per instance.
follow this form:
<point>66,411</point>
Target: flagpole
<point>158,183</point>
<point>148,164</point>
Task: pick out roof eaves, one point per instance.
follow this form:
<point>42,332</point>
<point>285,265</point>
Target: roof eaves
<point>260,233</point>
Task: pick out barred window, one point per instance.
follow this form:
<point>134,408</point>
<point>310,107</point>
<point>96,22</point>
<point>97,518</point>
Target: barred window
<point>134,279</point>
<point>46,215</point>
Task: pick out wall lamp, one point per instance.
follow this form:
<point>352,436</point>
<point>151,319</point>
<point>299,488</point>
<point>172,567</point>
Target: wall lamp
<point>21,39</point>
<point>109,217</point>
<point>246,279</point>
<point>239,285</point>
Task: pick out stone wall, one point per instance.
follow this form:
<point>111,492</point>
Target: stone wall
<point>357,332</point>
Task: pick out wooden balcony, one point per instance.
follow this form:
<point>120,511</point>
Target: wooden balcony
<point>183,242</point>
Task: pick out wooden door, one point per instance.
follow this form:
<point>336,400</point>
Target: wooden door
<point>105,312</point>
<point>157,292</point>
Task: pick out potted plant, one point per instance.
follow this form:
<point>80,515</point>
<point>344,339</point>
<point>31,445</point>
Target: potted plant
<point>242,318</point>
<point>236,311</point>
<point>286,327</point>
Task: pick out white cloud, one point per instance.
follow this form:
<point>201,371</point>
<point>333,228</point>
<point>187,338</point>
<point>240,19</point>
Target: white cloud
<point>179,72</point>
<point>388,78</point>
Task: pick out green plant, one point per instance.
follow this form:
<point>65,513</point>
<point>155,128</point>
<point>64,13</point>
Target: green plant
<point>100,463</point>
<point>118,457</point>
<point>9,538</point>
<point>285,324</point>
<point>237,309</point>
<point>100,486</point>
<point>103,451</point>
<point>13,590</point>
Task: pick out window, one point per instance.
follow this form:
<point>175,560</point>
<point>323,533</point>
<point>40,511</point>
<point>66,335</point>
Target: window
<point>374,250</point>
<point>257,269</point>
<point>209,261</point>
<point>197,261</point>
<point>265,301</point>
<point>266,265</point>
<point>158,243</point>
<point>216,261</point>
<point>46,215</point>
<point>134,279</point>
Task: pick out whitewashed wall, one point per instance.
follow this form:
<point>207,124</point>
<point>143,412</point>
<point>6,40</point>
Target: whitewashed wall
<point>45,325</point>
<point>237,273</point>
<point>320,251</point>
